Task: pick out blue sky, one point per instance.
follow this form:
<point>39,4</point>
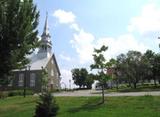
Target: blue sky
<point>78,26</point>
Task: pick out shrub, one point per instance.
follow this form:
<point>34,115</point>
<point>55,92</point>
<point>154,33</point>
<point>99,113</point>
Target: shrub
<point>47,106</point>
<point>19,92</point>
<point>3,94</point>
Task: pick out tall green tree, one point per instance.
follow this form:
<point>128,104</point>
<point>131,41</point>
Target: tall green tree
<point>133,61</point>
<point>122,68</point>
<point>79,76</point>
<point>112,66</point>
<point>148,63</point>
<point>101,65</point>
<point>89,80</point>
<point>156,68</point>
<point>129,67</point>
<point>18,34</point>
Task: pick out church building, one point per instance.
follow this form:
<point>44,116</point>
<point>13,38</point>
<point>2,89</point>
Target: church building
<point>31,77</point>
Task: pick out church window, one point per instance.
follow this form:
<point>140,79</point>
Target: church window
<point>21,80</point>
<point>32,79</point>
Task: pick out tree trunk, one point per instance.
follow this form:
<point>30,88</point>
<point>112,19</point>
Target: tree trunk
<point>129,83</point>
<point>135,85</point>
<point>155,84</point>
<point>154,77</point>
<point>117,84</point>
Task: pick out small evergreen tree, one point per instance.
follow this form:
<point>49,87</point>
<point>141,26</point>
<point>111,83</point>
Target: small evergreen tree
<point>47,106</point>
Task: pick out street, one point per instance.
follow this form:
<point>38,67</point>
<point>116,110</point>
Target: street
<point>80,93</point>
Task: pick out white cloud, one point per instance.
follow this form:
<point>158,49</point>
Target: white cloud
<point>148,21</point>
<point>75,27</point>
<point>65,57</point>
<point>157,41</point>
<point>121,44</point>
<point>83,43</point>
<point>64,17</point>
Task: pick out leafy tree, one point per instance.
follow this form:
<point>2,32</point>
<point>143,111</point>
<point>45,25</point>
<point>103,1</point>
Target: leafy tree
<point>79,76</point>
<point>89,80</point>
<point>152,65</point>
<point>147,65</point>
<point>18,34</point>
<point>135,67</point>
<point>156,68</point>
<point>112,66</point>
<point>122,68</point>
<point>83,75</point>
<point>133,61</point>
<point>129,67</point>
<point>100,65</point>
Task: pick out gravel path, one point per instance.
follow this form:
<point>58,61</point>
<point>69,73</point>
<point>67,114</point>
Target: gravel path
<point>97,93</point>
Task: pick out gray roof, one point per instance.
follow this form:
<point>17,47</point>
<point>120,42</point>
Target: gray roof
<point>36,63</point>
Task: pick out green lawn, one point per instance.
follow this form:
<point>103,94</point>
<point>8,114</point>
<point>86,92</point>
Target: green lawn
<point>145,106</point>
<point>140,88</point>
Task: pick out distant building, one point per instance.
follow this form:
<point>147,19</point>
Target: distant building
<point>44,59</point>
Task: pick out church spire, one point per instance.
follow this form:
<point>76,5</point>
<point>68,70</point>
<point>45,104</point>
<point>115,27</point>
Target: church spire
<point>46,44</point>
<point>45,35</point>
<point>46,29</point>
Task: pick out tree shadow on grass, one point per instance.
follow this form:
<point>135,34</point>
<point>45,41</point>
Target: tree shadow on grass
<point>89,105</point>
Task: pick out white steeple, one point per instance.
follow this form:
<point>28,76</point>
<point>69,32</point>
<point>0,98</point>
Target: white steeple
<point>46,29</point>
<point>45,49</point>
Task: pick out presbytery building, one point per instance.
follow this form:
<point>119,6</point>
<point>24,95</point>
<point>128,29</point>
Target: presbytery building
<point>31,77</point>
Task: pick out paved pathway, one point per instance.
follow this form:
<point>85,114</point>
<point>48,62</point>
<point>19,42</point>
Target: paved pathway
<point>95,93</point>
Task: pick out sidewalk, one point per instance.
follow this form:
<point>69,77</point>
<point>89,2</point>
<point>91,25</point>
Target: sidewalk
<point>97,93</point>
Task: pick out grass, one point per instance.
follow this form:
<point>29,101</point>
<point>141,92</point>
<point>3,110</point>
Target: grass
<point>144,106</point>
<point>140,88</point>
<point>17,106</point>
